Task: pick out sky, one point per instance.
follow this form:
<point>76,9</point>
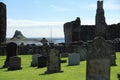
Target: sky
<point>38,18</point>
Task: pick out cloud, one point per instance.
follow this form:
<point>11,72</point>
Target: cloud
<point>36,32</point>
<point>112,5</point>
<point>59,8</point>
<point>108,5</point>
<point>30,23</point>
<point>31,28</point>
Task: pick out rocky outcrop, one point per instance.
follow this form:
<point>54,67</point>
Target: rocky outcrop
<point>18,35</point>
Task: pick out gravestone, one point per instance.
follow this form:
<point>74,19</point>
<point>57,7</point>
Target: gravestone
<point>98,60</point>
<point>42,61</point>
<point>113,60</point>
<point>11,51</point>
<point>73,59</point>
<point>53,62</point>
<point>113,57</point>
<point>82,51</point>
<point>35,59</point>
<point>14,63</point>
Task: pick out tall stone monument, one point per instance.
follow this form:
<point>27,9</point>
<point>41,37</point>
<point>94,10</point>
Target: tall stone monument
<point>100,24</point>
<point>98,60</point>
<point>2,27</point>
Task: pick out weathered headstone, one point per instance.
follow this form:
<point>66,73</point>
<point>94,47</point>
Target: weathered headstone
<point>113,57</point>
<point>42,61</point>
<point>113,60</point>
<point>53,62</point>
<point>35,59</point>
<point>14,63</point>
<point>98,60</point>
<point>73,59</point>
<point>82,51</point>
<point>11,51</point>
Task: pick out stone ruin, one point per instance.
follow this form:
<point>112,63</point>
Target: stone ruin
<point>2,27</point>
<point>2,22</point>
<point>75,32</point>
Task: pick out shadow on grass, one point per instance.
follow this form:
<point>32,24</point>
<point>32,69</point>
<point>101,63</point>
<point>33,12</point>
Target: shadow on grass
<point>11,70</point>
<point>72,65</point>
<point>40,67</point>
<point>48,73</point>
<point>7,70</point>
<point>2,68</point>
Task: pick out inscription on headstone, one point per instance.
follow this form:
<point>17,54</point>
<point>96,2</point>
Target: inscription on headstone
<point>98,60</point>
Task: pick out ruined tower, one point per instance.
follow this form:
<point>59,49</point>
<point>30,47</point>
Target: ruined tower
<point>2,28</point>
<point>72,32</point>
<point>2,23</point>
<point>100,24</point>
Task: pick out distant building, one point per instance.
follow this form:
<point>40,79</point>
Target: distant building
<point>75,32</point>
<point>2,23</point>
<point>44,41</point>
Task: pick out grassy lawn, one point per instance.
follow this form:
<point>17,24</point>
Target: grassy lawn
<point>33,73</point>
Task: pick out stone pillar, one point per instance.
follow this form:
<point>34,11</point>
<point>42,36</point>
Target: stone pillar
<point>72,33</point>
<point>2,27</point>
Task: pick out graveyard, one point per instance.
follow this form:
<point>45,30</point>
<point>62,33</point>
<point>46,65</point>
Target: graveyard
<point>76,72</point>
<point>90,52</point>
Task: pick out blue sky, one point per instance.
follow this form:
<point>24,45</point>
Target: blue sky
<point>36,18</point>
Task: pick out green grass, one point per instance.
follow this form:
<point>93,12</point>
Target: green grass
<point>33,73</point>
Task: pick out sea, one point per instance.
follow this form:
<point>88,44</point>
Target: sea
<point>36,41</point>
